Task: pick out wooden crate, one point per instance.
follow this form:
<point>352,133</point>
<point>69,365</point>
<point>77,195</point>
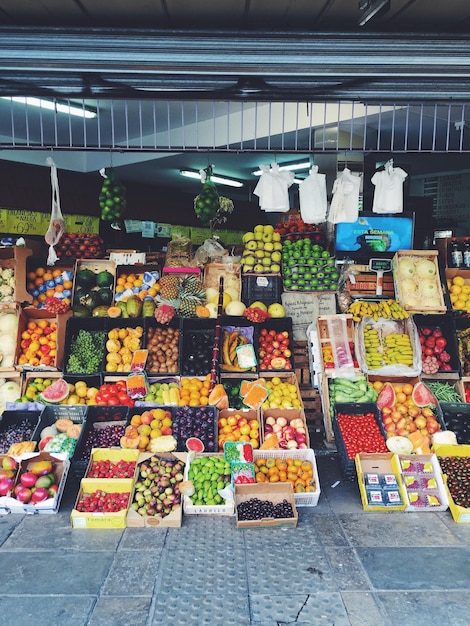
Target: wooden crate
<point>362,282</point>
<point>310,396</point>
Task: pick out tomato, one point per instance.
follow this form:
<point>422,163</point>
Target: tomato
<point>123,398</point>
<point>112,400</point>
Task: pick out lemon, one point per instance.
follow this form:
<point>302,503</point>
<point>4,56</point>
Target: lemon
<point>466,289</point>
<point>455,289</point>
<point>459,305</point>
<point>458,280</point>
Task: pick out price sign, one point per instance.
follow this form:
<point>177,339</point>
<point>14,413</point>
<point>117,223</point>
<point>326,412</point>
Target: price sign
<point>380,265</point>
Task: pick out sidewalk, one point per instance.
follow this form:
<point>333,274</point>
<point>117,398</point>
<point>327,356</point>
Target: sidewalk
<point>340,566</point>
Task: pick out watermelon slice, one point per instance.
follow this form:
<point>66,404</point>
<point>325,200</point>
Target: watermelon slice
<point>55,393</point>
<point>422,396</point>
<point>386,397</point>
<point>194,444</point>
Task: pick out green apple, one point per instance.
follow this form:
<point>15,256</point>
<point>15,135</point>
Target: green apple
<point>249,260</point>
<point>259,254</point>
<point>276,237</point>
<point>251,245</point>
<point>258,236</point>
<point>248,237</point>
<point>276,310</point>
<point>277,245</point>
<point>276,257</point>
<point>258,229</point>
<point>259,268</point>
<point>268,246</point>
<point>260,245</point>
<point>268,229</point>
<point>266,261</point>
<point>275,267</point>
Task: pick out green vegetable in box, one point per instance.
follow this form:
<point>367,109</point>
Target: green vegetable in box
<point>345,390</point>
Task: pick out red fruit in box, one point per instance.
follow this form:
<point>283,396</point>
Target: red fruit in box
<point>23,494</point>
<point>9,463</point>
<point>39,494</point>
<point>28,479</point>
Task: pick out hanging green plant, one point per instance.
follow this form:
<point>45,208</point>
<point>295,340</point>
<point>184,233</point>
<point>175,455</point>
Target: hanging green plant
<point>112,196</point>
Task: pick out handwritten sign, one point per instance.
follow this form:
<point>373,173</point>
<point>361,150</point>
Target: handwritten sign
<point>305,308</point>
<point>27,222</point>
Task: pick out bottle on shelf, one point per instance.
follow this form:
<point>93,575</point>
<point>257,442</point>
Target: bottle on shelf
<point>466,254</point>
<point>456,254</point>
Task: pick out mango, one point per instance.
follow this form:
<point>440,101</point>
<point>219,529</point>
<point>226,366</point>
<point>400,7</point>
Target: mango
<point>134,306</point>
<point>41,468</point>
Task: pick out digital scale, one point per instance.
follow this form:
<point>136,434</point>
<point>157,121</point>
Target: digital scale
<point>379,266</point>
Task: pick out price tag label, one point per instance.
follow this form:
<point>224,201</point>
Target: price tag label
<point>262,281</point>
<point>133,226</point>
<point>148,229</point>
<point>380,265</point>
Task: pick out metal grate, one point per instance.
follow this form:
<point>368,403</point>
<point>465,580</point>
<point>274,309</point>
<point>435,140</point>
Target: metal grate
<point>228,126</point>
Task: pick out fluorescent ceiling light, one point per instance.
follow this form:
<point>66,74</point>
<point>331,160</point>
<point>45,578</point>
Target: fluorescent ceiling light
<point>221,180</point>
<point>293,166</point>
<point>370,8</point>
<point>53,106</point>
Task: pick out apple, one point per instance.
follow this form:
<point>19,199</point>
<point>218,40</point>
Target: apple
<point>39,494</point>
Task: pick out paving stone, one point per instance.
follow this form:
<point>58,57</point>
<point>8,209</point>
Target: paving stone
<point>132,572</point>
<point>294,570</point>
<point>461,531</point>
<point>45,611</point>
<point>329,531</point>
<point>136,538</point>
<point>397,529</point>
<point>211,531</point>
<point>118,611</point>
<point>8,523</point>
<point>362,610</point>
<point>51,532</point>
<point>305,609</point>
<point>273,540</point>
<point>426,608</point>
<point>347,569</point>
<point>201,607</point>
<point>42,573</point>
<point>417,569</point>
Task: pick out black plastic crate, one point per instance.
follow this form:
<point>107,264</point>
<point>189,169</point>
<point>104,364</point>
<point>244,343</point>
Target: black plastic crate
<point>447,325</point>
<point>208,434</point>
<point>455,416</point>
<point>279,325</point>
<point>74,325</point>
<point>50,415</point>
<point>266,288</point>
<point>27,420</point>
<point>348,465</point>
<point>197,360</point>
<point>97,418</point>
<point>150,324</point>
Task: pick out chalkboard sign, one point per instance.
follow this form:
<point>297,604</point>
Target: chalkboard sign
<point>305,308</point>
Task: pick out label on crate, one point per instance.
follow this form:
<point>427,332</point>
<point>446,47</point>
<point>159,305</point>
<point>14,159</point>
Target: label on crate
<point>305,308</point>
<point>262,281</point>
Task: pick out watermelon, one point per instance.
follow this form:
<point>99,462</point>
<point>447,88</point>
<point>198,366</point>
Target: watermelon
<point>194,444</point>
<point>386,397</point>
<point>422,396</point>
<point>55,393</point>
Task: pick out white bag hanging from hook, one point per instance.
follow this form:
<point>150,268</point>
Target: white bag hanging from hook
<point>57,223</point>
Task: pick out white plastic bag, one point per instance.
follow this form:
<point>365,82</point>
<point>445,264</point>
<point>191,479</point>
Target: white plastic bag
<point>312,197</point>
<point>57,223</point>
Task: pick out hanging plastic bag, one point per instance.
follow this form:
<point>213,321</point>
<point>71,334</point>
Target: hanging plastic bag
<point>207,203</point>
<point>112,197</point>
<point>57,223</point>
<point>312,197</point>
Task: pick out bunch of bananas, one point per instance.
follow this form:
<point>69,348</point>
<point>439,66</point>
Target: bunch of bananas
<point>389,309</point>
<point>230,342</point>
<point>394,348</point>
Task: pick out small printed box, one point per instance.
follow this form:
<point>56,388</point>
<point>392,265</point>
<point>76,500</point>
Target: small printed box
<point>275,494</point>
<point>380,498</point>
<point>101,519</point>
<point>175,517</point>
<point>194,507</point>
<point>59,466</point>
<point>454,459</point>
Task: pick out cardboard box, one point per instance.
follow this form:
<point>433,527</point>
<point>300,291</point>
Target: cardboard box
<point>191,509</point>
<point>15,257</point>
<point>249,414</point>
<point>420,307</point>
<point>61,465</point>
<point>363,283</point>
<point>324,339</point>
<point>301,499</point>
<point>289,414</point>
<point>460,514</point>
<point>419,483</point>
<point>12,308</point>
<point>95,266</point>
<point>111,454</point>
<point>386,463</point>
<point>291,379</point>
<point>230,272</point>
<point>32,314</point>
<point>174,519</point>
<point>98,519</point>
<point>274,492</point>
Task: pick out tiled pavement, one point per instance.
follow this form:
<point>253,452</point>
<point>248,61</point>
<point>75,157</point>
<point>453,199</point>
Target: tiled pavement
<point>339,566</point>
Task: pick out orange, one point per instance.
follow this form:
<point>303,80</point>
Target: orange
<point>408,389</point>
<point>401,397</point>
<point>397,388</point>
<point>377,385</point>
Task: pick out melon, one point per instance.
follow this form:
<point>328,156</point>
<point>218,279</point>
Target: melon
<point>55,393</point>
<point>422,396</point>
<point>194,444</point>
<point>386,397</point>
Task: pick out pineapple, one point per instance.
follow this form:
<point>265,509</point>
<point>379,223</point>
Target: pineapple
<point>189,305</point>
<point>191,286</point>
<point>169,287</point>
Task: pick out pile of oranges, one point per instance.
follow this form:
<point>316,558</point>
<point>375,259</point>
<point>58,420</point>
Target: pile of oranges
<point>38,343</point>
<point>298,472</point>
<point>43,283</point>
<point>459,294</point>
<point>134,283</point>
<point>194,391</point>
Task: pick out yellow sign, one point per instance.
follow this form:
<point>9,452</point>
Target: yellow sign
<point>82,224</point>
<point>21,222</point>
<point>3,220</point>
<point>180,231</point>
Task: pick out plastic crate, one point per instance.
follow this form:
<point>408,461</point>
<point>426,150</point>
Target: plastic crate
<point>348,465</point>
<point>10,418</point>
<point>50,415</point>
<point>306,454</point>
<point>181,446</point>
<point>74,325</point>
<point>279,325</point>
<point>455,416</point>
<point>150,324</point>
<point>446,323</point>
<point>266,288</point>
<point>190,329</point>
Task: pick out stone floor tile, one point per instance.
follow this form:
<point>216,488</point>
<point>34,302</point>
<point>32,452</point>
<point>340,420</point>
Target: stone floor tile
<point>440,568</point>
<point>346,568</point>
<point>362,609</point>
<point>329,530</point>
<point>461,531</point>
<point>43,573</point>
<point>132,573</point>
<point>397,529</point>
<point>120,611</point>
<point>8,523</point>
<point>48,610</point>
<point>202,607</point>
<point>153,539</point>
<point>304,609</point>
<point>448,608</point>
